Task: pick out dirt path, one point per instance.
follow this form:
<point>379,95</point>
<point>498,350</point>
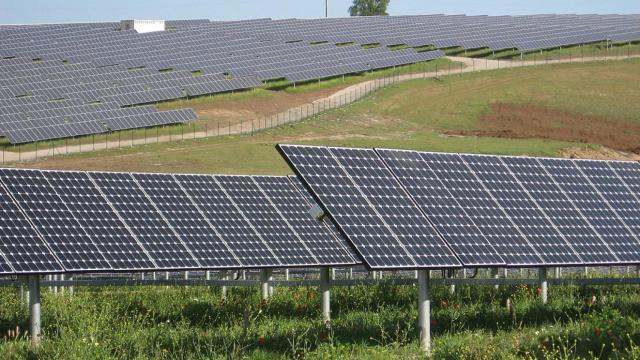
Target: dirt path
<point>340,98</point>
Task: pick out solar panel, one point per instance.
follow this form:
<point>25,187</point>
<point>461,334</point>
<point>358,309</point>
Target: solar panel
<point>524,213</point>
<point>292,206</point>
<point>221,211</point>
<point>370,207</point>
<point>611,187</point>
<point>161,243</point>
<point>445,198</point>
<point>564,215</point>
<point>20,245</point>
<point>595,209</point>
<point>200,236</point>
<point>265,220</point>
<point>99,220</point>
<point>48,213</point>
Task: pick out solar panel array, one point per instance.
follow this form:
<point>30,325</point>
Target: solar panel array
<point>63,80</point>
<point>56,221</point>
<point>482,210</point>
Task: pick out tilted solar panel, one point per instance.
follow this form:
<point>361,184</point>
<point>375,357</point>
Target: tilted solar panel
<point>50,216</point>
<point>370,207</point>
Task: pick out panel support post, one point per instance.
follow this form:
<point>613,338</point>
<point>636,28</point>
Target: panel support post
<point>495,275</point>
<point>424,311</point>
<point>34,310</point>
<point>264,283</point>
<point>325,294</point>
<point>544,285</point>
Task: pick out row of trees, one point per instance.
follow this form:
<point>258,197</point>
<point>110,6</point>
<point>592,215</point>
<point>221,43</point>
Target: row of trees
<point>369,7</point>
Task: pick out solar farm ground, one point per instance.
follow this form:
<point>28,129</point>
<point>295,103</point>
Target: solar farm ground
<point>369,322</point>
<point>588,109</point>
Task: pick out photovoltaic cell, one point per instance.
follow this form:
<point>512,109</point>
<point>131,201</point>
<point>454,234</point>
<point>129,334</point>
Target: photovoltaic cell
<point>21,246</point>
<point>220,210</point>
<point>443,209</point>
<point>370,207</point>
<point>187,221</point>
<point>158,239</point>
<point>50,216</point>
<point>101,223</point>
<point>561,211</point>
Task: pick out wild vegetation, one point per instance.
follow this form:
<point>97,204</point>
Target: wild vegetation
<point>376,322</point>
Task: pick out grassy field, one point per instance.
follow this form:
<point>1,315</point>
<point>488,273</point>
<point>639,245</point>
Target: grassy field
<point>369,322</point>
<point>446,114</point>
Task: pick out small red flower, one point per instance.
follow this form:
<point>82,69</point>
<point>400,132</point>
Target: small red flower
<point>609,322</point>
<point>539,291</point>
<point>597,332</point>
<point>456,306</point>
<point>444,303</point>
<point>610,333</point>
<point>261,340</point>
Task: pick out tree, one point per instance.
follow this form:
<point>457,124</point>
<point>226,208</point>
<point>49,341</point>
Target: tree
<point>369,7</point>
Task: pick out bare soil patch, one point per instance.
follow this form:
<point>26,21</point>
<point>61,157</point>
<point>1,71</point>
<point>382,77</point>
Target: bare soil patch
<point>506,120</point>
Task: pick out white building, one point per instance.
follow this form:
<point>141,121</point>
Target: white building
<point>142,26</point>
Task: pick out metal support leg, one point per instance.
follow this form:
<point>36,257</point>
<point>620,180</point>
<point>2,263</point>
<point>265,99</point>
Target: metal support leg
<point>286,274</point>
<point>424,311</point>
<point>556,273</point>
<point>325,292</point>
<point>544,286</point>
<point>270,283</point>
<point>223,290</point>
<point>495,275</point>
<point>264,283</point>
<point>34,310</point>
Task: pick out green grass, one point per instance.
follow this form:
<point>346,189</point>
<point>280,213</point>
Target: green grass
<point>412,115</point>
<point>376,322</point>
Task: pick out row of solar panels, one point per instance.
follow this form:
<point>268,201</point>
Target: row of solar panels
<point>95,64</point>
<point>65,126</point>
<point>408,209</point>
<point>54,221</point>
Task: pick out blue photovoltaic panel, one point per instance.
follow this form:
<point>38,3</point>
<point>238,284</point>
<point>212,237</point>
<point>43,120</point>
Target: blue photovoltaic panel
<point>220,210</point>
<point>260,215</point>
<point>594,208</point>
<point>327,221</point>
<point>370,207</point>
<point>629,173</point>
<point>444,210</point>
<point>98,219</point>
<point>612,188</point>
<point>562,212</point>
<point>21,248</point>
<point>294,209</point>
<point>158,239</point>
<point>483,209</point>
<point>523,212</point>
<point>187,221</point>
<point>65,237</point>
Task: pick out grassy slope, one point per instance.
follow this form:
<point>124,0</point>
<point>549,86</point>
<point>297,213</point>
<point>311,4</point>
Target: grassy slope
<point>411,115</point>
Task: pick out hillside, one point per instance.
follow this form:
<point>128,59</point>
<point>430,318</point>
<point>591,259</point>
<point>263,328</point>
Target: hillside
<point>549,110</point>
